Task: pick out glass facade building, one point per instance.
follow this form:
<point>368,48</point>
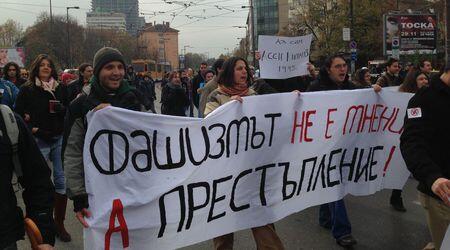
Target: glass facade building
<point>128,7</point>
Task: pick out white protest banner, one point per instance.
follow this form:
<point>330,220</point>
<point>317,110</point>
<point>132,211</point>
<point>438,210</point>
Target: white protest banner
<point>283,57</point>
<point>162,182</point>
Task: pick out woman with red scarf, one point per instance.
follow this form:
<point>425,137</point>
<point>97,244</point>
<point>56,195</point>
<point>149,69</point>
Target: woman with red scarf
<point>234,84</point>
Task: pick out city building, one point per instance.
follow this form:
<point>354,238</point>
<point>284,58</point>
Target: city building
<point>161,44</point>
<point>104,20</point>
<point>128,7</point>
<point>269,18</point>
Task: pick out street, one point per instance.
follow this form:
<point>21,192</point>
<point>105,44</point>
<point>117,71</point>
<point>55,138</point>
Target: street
<point>375,225</point>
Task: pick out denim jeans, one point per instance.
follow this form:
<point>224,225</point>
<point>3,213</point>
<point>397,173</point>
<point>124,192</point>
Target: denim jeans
<point>334,216</point>
<point>52,152</point>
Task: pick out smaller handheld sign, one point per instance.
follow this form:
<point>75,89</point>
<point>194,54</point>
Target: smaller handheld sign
<point>283,57</point>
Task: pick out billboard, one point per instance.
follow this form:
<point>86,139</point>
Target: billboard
<point>417,33</point>
<point>16,55</point>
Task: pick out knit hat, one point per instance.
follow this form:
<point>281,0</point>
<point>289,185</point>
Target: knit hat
<point>104,56</point>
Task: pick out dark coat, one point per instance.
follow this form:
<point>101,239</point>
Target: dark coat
<point>34,101</point>
<point>324,82</point>
<point>300,83</point>
<point>147,89</point>
<point>174,100</point>
<point>74,88</point>
<point>38,189</point>
<point>425,141</point>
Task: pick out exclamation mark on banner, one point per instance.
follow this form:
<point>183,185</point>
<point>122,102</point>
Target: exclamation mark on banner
<point>388,160</point>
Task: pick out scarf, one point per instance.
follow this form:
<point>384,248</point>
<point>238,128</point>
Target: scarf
<point>104,93</point>
<point>236,89</point>
<point>49,86</point>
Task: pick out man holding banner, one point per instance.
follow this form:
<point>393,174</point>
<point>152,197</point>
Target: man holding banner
<point>107,88</point>
<point>333,76</point>
<point>424,146</point>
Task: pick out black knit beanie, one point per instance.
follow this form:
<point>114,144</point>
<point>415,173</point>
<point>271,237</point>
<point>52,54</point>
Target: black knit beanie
<point>104,56</point>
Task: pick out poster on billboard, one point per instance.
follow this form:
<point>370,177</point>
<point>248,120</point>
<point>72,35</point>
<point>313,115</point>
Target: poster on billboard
<point>16,55</point>
<point>417,33</point>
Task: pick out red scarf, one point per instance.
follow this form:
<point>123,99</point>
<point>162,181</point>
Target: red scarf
<point>240,89</point>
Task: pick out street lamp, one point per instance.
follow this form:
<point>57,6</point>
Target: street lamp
<point>68,34</point>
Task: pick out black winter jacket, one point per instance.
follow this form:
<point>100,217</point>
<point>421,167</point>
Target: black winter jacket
<point>324,82</point>
<point>38,188</point>
<point>34,101</point>
<point>174,100</point>
<point>425,141</point>
<point>74,88</point>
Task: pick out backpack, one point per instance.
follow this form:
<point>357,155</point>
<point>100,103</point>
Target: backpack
<point>12,132</point>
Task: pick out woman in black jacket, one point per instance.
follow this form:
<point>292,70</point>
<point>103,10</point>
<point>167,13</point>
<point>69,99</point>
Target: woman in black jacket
<point>41,102</point>
<point>173,97</point>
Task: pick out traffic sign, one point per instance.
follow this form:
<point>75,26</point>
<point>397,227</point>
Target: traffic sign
<point>352,45</point>
<point>346,34</point>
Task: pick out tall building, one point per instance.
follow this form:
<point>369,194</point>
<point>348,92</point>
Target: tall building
<point>269,18</point>
<point>161,43</point>
<point>128,7</point>
<point>104,20</point>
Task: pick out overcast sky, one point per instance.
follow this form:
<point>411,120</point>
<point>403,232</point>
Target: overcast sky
<point>206,25</point>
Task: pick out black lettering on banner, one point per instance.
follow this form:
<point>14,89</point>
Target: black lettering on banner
<point>220,140</point>
<point>262,186</point>
<point>233,191</point>
<point>109,133</point>
<point>272,125</point>
<point>215,199</point>
<point>146,152</point>
<point>286,182</point>
<point>373,163</point>
<point>170,164</point>
<point>162,210</point>
<point>191,202</point>
<point>255,134</point>
<point>189,148</point>
<point>238,128</point>
<point>331,168</point>
<point>321,171</point>
<point>302,175</point>
<point>311,177</point>
<point>364,169</point>
<point>350,165</point>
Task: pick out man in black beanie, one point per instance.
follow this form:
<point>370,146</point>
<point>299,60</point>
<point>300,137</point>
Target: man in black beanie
<point>107,88</point>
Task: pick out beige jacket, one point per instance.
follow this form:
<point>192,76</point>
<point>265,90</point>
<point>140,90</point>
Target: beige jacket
<point>205,91</point>
<point>217,99</point>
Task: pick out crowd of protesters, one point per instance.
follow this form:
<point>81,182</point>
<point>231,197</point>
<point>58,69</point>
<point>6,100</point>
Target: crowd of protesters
<point>51,113</point>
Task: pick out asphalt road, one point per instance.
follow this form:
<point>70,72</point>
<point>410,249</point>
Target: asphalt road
<point>375,225</point>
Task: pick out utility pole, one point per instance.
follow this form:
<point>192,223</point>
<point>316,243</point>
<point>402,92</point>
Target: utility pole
<point>69,61</point>
<point>447,31</point>
<point>252,27</point>
<point>352,39</point>
<point>51,14</point>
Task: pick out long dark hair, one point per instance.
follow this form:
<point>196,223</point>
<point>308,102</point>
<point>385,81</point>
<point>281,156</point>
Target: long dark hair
<point>34,68</point>
<point>82,68</point>
<point>226,78</point>
<point>6,68</point>
<point>360,75</point>
<point>323,73</point>
<point>410,83</point>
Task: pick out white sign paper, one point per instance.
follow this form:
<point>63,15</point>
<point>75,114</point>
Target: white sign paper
<point>163,182</point>
<point>283,57</point>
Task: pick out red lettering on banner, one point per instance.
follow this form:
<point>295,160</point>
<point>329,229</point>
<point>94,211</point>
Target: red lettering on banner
<point>329,122</point>
<point>304,124</point>
<point>117,212</point>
